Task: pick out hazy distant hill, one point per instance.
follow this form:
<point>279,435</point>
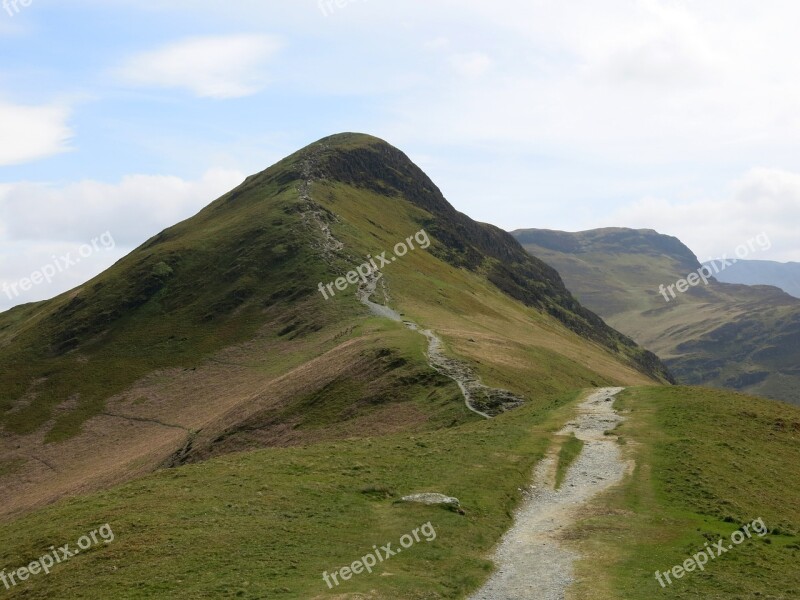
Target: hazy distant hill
<point>732,336</point>
<point>785,276</point>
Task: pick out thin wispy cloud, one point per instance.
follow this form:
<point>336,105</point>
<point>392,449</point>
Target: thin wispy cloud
<point>136,207</point>
<point>222,67</point>
<point>39,222</point>
<point>762,200</point>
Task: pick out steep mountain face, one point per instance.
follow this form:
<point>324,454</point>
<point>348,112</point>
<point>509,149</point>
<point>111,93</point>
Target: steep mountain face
<point>373,165</point>
<point>785,276</point>
<point>215,336</point>
<point>730,336</point>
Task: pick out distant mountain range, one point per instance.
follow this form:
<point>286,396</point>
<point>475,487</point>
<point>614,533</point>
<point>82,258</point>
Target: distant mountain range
<point>726,335</point>
<point>785,276</point>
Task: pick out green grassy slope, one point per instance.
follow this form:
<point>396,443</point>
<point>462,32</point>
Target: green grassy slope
<point>335,409</point>
<point>192,290</point>
<point>204,284</point>
<point>267,524</point>
<point>369,165</point>
<point>707,463</point>
<point>730,336</point>
<point>212,337</point>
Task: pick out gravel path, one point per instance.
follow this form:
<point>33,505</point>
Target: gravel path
<point>479,398</point>
<point>533,563</point>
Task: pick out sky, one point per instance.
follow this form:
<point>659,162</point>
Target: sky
<point>119,118</point>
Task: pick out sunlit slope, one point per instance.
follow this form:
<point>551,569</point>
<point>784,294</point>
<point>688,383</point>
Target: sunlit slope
<point>708,463</point>
<point>270,522</point>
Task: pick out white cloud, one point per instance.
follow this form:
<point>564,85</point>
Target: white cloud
<point>134,209</point>
<point>575,109</point>
<point>40,221</point>
<point>32,132</point>
<point>667,46</point>
<point>211,67</point>
<point>763,201</point>
<point>642,81</point>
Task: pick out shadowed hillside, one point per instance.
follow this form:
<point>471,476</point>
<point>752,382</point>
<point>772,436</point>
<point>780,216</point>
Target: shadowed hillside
<point>740,337</point>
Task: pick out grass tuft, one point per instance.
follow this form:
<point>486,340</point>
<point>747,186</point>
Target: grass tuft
<point>570,450</point>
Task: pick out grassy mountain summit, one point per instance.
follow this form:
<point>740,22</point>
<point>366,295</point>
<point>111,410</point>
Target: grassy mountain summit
<point>213,337</point>
<point>725,335</point>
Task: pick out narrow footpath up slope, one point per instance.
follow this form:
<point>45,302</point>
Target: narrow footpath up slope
<point>476,394</point>
<point>532,562</point>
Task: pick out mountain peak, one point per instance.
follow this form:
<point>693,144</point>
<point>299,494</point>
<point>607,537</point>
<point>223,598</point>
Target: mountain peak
<point>611,239</point>
<point>350,139</point>
<point>360,160</point>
